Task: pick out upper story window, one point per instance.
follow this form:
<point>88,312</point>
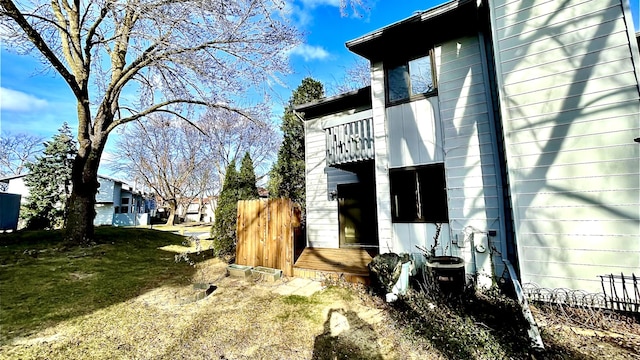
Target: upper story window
<point>415,77</point>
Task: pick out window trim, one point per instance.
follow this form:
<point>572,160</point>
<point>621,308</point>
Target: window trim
<point>419,196</point>
<point>394,64</point>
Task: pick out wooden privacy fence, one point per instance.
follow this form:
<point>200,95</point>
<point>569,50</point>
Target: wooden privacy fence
<point>267,231</point>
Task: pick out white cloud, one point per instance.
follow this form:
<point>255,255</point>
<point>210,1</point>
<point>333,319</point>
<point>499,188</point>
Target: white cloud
<point>315,3</point>
<point>13,100</point>
<point>309,52</point>
<point>302,10</point>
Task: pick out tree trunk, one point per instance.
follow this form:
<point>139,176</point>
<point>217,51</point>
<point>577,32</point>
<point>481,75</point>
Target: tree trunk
<point>79,228</point>
<point>172,213</point>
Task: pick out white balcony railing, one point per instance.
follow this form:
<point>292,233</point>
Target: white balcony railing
<point>350,142</point>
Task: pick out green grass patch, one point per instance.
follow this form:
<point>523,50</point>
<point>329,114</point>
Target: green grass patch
<point>42,282</point>
<point>299,307</point>
<point>298,300</point>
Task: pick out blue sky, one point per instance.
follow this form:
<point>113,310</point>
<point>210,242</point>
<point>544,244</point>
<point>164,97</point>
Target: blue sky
<point>37,101</point>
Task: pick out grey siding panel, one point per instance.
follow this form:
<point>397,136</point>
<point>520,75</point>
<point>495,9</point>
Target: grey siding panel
<point>474,86</point>
<point>104,214</point>
<point>568,15</point>
<point>406,236</point>
<point>568,86</point>
<point>469,149</point>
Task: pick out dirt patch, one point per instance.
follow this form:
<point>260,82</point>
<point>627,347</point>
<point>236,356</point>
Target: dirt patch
<point>190,246</point>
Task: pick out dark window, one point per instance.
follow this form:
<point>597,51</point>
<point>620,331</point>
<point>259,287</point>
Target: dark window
<point>419,194</point>
<point>125,208</point>
<point>398,79</point>
<point>411,78</point>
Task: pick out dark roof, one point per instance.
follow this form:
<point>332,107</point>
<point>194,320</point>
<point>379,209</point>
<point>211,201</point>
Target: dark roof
<point>445,21</point>
<point>11,177</point>
<point>357,99</point>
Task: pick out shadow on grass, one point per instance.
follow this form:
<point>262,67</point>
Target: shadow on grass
<point>346,336</point>
<point>43,282</point>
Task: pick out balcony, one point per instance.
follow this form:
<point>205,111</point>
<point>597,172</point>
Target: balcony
<point>350,142</point>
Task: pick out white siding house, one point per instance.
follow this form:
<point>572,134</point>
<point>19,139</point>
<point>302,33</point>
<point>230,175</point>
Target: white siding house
<point>199,210</point>
<point>507,133</point>
<point>116,202</point>
<point>322,187</point>
<point>16,185</point>
<point>568,89</point>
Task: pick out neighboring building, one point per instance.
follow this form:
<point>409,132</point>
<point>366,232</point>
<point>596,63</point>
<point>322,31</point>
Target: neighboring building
<point>117,203</point>
<point>203,209</point>
<point>199,210</point>
<point>505,129</point>
<point>15,185</point>
<point>263,193</point>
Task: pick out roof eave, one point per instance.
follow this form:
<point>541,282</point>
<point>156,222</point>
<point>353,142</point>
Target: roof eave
<point>354,99</point>
<point>362,45</point>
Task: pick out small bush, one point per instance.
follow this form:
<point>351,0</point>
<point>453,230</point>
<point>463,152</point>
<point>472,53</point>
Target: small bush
<point>385,271</point>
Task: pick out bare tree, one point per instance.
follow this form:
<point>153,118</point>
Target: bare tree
<point>167,156</point>
<point>358,7</point>
<point>16,150</point>
<point>181,164</point>
<point>356,76</point>
<point>126,59</point>
<point>231,135</point>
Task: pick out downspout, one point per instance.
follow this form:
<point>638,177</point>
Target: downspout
<point>509,252</point>
<point>505,236</point>
<point>532,331</point>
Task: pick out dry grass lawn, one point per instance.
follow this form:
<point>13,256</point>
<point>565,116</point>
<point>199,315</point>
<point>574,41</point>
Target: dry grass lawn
<point>123,298</point>
<point>239,320</point>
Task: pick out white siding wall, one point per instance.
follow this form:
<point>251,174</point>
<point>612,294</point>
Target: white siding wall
<point>570,110</point>
<point>454,128</point>
<point>107,198</point>
<point>407,235</point>
<point>18,186</point>
<point>104,214</point>
<point>105,191</point>
<point>415,136</point>
<point>470,148</point>
<point>383,189</point>
<point>322,212</point>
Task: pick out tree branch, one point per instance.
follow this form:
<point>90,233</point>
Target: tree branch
<point>91,33</point>
<point>160,108</point>
<point>12,11</point>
